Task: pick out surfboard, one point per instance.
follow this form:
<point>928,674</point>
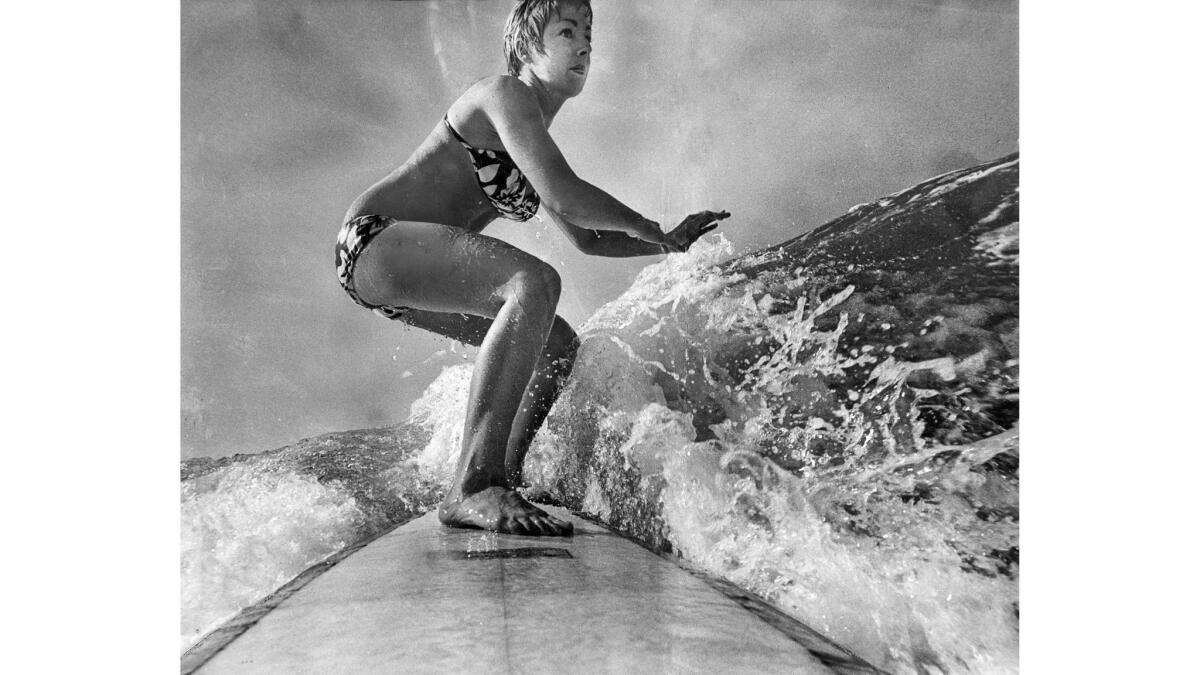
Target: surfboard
<point>426,598</point>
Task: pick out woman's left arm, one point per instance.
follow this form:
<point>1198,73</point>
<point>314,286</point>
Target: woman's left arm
<point>609,243</point>
<point>613,244</point>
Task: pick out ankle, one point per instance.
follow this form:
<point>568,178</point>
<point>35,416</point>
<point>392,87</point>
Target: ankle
<point>479,480</point>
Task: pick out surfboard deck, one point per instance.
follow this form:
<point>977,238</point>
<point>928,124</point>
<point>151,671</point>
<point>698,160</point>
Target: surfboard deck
<point>426,598</point>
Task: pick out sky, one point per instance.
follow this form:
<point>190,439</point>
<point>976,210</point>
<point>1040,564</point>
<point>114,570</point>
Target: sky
<point>785,113</point>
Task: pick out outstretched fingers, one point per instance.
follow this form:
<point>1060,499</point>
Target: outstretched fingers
<point>707,216</point>
<point>704,221</point>
<point>695,226</point>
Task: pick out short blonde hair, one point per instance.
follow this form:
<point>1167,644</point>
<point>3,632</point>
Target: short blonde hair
<point>523,31</point>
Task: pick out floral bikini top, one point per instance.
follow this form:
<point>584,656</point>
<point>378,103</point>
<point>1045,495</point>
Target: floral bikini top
<point>503,183</point>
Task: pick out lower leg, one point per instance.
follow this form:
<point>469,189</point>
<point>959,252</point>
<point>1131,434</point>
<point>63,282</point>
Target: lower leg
<point>547,382</point>
<point>503,369</point>
<point>481,495</point>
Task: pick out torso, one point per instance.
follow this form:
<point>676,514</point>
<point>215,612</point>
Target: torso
<point>438,182</point>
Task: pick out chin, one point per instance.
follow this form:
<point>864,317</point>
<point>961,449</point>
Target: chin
<point>570,92</point>
<point>574,82</point>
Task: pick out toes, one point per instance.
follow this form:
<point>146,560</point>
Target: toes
<point>509,513</point>
<point>511,526</point>
<point>531,526</point>
<point>558,527</point>
<point>536,525</point>
<point>549,529</point>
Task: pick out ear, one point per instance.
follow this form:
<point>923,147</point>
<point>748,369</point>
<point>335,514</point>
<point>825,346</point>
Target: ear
<point>523,59</point>
<point>523,55</point>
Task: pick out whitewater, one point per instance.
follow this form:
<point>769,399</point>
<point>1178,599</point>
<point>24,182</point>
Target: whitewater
<point>733,412</point>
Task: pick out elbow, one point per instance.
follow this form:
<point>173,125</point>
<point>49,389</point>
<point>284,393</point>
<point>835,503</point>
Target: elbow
<point>587,243</point>
<point>566,196</point>
<point>563,207</point>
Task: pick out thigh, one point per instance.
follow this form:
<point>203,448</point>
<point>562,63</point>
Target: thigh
<point>466,328</point>
<point>435,268</point>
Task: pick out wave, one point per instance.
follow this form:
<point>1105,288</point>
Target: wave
<point>251,523</point>
<point>722,417</point>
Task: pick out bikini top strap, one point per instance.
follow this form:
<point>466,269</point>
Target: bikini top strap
<point>446,119</point>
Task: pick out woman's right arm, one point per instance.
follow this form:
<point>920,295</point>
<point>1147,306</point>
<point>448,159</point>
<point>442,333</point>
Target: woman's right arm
<point>513,110</point>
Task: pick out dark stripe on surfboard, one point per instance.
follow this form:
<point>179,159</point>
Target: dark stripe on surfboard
<point>528,552</point>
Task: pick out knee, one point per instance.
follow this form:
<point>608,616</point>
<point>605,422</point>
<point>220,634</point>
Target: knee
<point>539,287</point>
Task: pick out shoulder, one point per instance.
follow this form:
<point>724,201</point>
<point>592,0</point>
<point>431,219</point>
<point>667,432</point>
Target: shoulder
<point>500,98</point>
<point>506,94</point>
<point>503,85</point>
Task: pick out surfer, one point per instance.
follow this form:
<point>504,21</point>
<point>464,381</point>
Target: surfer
<point>411,249</point>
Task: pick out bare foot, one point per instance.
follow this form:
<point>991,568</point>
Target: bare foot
<point>502,510</point>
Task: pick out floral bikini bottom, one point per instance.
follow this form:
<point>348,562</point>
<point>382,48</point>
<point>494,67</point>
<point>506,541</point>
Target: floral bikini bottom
<point>352,239</point>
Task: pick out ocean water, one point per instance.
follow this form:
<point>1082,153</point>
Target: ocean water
<point>251,523</point>
<point>719,412</point>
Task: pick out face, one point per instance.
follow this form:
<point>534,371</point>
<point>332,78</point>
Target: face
<point>567,50</point>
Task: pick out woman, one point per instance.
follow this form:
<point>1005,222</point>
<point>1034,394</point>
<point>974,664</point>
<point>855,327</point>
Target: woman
<point>411,250</point>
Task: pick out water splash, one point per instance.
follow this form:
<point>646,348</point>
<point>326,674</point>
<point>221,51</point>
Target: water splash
<point>250,523</point>
<point>723,417</point>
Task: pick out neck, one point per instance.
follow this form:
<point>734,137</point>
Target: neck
<point>548,100</point>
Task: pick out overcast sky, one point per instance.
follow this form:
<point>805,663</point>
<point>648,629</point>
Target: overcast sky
<point>786,113</point>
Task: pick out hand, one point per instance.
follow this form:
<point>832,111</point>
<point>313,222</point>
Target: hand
<point>692,228</point>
